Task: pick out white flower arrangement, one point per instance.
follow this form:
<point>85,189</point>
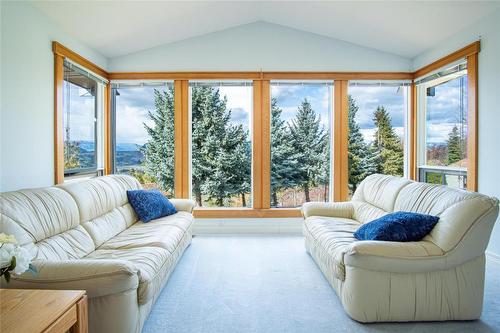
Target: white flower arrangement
<point>14,258</point>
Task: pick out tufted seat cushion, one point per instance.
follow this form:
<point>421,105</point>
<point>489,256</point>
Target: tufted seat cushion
<point>165,233</point>
<point>334,236</point>
<point>151,264</point>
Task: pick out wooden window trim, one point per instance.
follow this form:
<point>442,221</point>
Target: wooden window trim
<point>472,122</point>
<point>340,141</point>
<point>201,212</point>
<point>261,145</point>
<point>181,144</point>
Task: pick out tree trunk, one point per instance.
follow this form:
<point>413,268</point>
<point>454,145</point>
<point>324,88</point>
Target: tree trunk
<point>219,202</point>
<point>243,200</point>
<point>325,193</point>
<point>198,199</point>
<point>306,192</point>
<point>275,199</point>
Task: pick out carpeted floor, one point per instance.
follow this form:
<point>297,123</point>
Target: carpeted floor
<point>270,284</point>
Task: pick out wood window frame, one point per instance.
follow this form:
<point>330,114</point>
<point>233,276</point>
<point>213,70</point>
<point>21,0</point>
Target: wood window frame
<point>60,53</point>
<point>470,54</point>
<point>261,157</point>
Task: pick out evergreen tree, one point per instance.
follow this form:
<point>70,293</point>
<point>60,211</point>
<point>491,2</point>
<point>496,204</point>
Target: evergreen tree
<point>220,151</point>
<point>283,161</point>
<point>159,150</point>
<point>387,145</point>
<point>71,155</point>
<point>309,140</point>
<point>361,160</point>
<point>455,147</point>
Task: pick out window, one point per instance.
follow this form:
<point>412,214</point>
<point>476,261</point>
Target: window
<point>444,111</point>
<point>301,129</point>
<point>377,136</point>
<point>221,153</point>
<point>144,132</point>
<point>82,121</point>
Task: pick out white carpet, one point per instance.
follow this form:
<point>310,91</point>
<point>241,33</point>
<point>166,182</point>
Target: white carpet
<point>270,284</point>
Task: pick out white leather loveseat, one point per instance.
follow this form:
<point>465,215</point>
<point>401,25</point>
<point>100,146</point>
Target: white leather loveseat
<point>87,236</point>
<point>438,278</point>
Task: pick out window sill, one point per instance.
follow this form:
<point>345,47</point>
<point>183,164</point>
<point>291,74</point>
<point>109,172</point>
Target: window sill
<point>201,212</point>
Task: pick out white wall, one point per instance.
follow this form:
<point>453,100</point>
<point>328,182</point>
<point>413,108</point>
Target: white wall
<point>260,46</point>
<point>489,101</point>
<point>27,95</point>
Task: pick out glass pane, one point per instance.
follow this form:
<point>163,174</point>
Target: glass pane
<point>376,132</point>
<point>446,123</point>
<point>300,143</point>
<point>144,140</point>
<point>434,178</point>
<point>79,120</point>
<point>221,144</point>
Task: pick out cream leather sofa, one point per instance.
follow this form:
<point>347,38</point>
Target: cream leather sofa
<point>87,236</point>
<point>438,278</point>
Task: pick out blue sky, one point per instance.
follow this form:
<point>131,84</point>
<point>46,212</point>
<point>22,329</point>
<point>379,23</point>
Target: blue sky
<point>82,113</point>
<point>369,98</point>
<point>133,105</point>
<point>444,110</point>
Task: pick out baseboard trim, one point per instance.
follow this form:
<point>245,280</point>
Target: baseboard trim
<point>493,257</point>
<point>248,226</point>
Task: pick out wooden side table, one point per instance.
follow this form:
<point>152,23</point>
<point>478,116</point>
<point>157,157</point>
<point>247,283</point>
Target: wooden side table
<point>48,311</point>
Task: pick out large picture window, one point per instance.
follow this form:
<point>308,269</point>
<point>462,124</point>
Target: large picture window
<point>443,135</point>
<point>82,121</point>
<point>221,154</point>
<point>377,121</point>
<point>301,125</point>
<point>144,132</point>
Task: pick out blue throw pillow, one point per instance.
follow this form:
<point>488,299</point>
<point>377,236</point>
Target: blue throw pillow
<point>397,227</point>
<point>150,204</point>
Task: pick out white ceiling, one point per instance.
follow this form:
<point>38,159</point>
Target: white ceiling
<point>405,28</point>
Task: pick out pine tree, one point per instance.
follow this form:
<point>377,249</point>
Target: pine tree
<point>283,161</point>
<point>309,140</point>
<point>71,155</point>
<point>454,145</point>
<point>387,144</point>
<point>361,160</point>
<point>159,150</point>
<point>221,159</point>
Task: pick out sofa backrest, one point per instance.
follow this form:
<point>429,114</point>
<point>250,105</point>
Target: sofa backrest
<point>460,212</point>
<point>376,196</point>
<point>46,220</point>
<point>103,205</point>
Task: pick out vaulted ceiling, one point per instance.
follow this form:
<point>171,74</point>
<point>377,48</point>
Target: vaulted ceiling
<point>405,28</point>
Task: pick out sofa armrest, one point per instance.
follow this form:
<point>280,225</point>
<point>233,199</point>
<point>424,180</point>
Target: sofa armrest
<point>397,257</point>
<point>185,205</point>
<point>330,209</point>
<point>98,277</point>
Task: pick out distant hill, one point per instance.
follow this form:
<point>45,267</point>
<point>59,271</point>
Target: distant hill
<point>88,146</point>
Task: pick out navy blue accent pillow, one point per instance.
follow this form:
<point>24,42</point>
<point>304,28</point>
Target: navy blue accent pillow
<point>397,227</point>
<point>150,204</point>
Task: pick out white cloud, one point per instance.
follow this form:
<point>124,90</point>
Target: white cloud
<point>130,124</point>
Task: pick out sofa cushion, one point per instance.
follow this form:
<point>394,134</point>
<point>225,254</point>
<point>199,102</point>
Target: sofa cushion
<point>152,263</point>
<point>150,204</point>
<point>103,204</point>
<point>335,236</point>
<point>165,233</point>
<point>397,227</point>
